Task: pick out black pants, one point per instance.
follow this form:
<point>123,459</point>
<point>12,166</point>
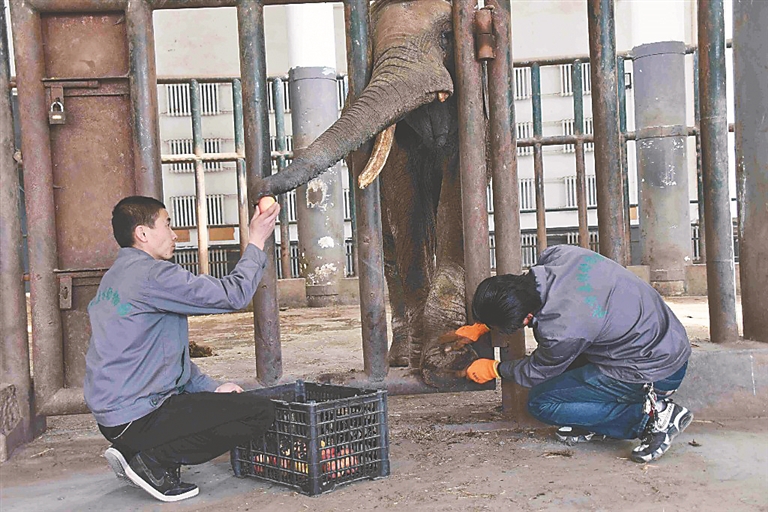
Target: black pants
<point>193,428</point>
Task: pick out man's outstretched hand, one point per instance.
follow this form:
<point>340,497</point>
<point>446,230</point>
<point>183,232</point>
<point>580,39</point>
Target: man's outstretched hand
<point>456,340</point>
<point>481,371</point>
<point>229,387</point>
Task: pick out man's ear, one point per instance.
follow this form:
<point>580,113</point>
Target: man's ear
<point>140,233</point>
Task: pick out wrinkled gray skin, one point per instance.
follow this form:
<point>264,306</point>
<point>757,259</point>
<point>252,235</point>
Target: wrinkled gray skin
<point>420,189</point>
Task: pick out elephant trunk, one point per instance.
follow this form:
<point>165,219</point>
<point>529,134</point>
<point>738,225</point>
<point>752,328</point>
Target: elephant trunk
<point>396,89</point>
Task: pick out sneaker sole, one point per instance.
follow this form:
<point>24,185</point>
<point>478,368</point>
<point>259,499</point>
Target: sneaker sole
<point>118,464</point>
<point>681,422</point>
<point>139,482</point>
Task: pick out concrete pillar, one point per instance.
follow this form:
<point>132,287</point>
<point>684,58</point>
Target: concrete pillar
<point>319,203</point>
<point>662,168</point>
<point>750,60</point>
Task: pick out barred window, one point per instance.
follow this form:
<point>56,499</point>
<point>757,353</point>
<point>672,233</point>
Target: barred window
<point>522,83</point>
<point>271,95</point>
<point>569,129</point>
<point>566,79</point>
<point>527,189</point>
<point>185,213</point>
<point>180,103</point>
<point>524,131</point>
<point>570,191</point>
<point>528,247</point>
<point>186,147</point>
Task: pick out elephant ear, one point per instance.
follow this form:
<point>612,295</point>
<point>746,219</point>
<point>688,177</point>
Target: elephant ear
<point>439,368</point>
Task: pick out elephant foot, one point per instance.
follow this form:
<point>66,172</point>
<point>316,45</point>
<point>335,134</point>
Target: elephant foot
<point>439,368</point>
<point>398,352</point>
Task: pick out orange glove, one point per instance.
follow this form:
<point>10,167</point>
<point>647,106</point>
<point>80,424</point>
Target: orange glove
<point>473,331</point>
<point>483,370</point>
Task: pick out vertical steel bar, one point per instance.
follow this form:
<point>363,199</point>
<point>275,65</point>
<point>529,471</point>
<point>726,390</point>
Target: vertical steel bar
<point>538,160</point>
<point>624,158</point>
<point>368,207</point>
<point>201,203</point>
<point>143,80</point>
<point>578,129</point>
<point>253,67</point>
<point>721,284</point>
<point>285,234</point>
<point>506,203</point>
<point>14,345</point>
<point>610,203</point>
<point>750,60</point>
<point>699,170</point>
<point>242,183</point>
<point>47,350</point>
<point>469,87</point>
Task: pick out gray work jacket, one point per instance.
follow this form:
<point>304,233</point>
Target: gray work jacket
<point>594,306</point>
<point>139,349</point>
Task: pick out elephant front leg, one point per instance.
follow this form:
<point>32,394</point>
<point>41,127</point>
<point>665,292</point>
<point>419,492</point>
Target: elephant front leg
<point>401,338</point>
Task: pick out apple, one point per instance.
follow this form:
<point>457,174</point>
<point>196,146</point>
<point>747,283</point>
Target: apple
<point>265,203</point>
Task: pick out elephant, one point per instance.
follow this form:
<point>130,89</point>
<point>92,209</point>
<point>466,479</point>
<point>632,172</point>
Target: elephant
<point>410,108</point>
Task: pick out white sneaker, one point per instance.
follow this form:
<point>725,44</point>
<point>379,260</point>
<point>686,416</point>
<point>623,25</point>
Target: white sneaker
<point>668,425</point>
<point>118,464</point>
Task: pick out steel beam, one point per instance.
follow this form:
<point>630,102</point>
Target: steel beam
<point>253,67</point>
<point>611,216</point>
<point>750,66</point>
<point>721,280</point>
<point>370,251</point>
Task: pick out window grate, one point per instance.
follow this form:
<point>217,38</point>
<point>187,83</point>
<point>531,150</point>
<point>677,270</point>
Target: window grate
<point>186,147</point>
<point>347,204</point>
<point>571,191</point>
<point>528,242</point>
<point>185,213</point>
<point>522,83</point>
<point>527,189</point>
<point>566,79</point>
<point>568,126</point>
<point>524,131</point>
<point>180,103</point>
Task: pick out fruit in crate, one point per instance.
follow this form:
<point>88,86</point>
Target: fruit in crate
<point>340,463</point>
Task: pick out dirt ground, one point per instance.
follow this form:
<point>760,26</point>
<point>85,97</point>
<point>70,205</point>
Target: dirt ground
<point>448,452</point>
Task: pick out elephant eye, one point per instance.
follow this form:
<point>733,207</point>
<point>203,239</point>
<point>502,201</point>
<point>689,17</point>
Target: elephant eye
<point>446,39</point>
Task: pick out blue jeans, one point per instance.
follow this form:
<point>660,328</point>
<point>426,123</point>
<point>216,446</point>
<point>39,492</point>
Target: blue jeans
<point>586,398</point>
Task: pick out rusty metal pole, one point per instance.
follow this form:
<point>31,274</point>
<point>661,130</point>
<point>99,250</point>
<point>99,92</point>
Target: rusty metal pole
<point>581,178</point>
<point>469,87</point>
<point>143,80</point>
<point>612,225</point>
<point>750,61</point>
<point>281,143</point>
<point>41,209</point>
<point>370,251</point>
<point>253,67</point>
<point>506,203</point>
<point>201,202</point>
<point>14,345</point>
<point>242,184</point>
<point>721,280</point>
<point>538,160</point>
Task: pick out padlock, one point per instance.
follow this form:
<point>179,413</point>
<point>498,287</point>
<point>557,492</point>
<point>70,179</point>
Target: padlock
<point>56,114</point>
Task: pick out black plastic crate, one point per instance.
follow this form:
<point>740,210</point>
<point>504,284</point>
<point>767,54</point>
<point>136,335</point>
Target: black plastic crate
<point>323,436</point>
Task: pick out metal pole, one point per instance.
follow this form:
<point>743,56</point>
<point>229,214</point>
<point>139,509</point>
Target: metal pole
<point>41,208</point>
<point>242,182</point>
<point>578,129</point>
<point>624,159</point>
<point>319,203</point>
<point>201,202</point>
<point>611,222</point>
<point>253,66</point>
<point>750,60</point>
<point>469,86</point>
<point>699,174</point>
<point>143,81</point>
<point>662,163</point>
<point>538,160</point>
<point>14,345</point>
<point>367,207</point>
<point>285,232</point>
<point>506,203</point>
<point>721,281</point>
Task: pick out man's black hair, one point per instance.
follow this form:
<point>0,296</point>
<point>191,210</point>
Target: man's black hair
<point>504,301</point>
<point>131,212</point>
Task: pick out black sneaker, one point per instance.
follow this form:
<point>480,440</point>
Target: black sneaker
<point>657,440</point>
<point>575,435</point>
<point>162,483</point>
<point>118,463</point>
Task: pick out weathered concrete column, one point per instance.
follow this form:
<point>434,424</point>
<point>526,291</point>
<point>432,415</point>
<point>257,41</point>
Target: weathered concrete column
<point>15,382</point>
<point>750,66</point>
<point>319,203</point>
<point>662,168</point>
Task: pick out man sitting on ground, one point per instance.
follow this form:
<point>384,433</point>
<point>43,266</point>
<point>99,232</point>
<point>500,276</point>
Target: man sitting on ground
<point>150,401</point>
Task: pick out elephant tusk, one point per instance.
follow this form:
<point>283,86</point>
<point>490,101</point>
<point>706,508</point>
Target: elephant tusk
<point>378,157</point>
<point>443,95</point>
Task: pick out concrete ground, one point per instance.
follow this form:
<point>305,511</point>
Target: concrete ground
<point>448,452</point>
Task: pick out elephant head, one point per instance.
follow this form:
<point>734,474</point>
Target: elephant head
<point>409,103</point>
